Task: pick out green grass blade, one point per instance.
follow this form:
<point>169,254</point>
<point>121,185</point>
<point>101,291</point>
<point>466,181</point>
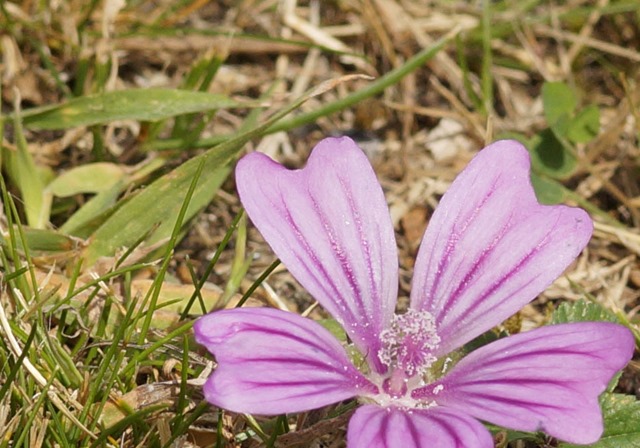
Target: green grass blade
<point>23,172</point>
<point>487,62</point>
<point>209,269</point>
<point>136,104</point>
<point>258,282</point>
<point>8,380</point>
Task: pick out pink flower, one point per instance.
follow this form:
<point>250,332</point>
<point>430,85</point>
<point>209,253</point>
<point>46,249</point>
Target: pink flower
<point>490,248</point>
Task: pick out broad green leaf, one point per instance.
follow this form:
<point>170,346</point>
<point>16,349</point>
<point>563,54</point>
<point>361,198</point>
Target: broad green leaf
<point>561,126</point>
<point>158,206</point>
<point>550,156</point>
<point>96,210</point>
<point>582,311</point>
<point>548,191</point>
<point>136,104</point>
<point>585,126</point>
<point>203,195</point>
<point>621,423</point>
<point>558,99</point>
<point>89,178</point>
<point>93,213</point>
<point>24,173</point>
<point>43,240</point>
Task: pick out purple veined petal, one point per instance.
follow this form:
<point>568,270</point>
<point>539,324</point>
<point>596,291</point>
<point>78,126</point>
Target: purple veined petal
<point>377,427</point>
<point>272,362</point>
<point>330,225</point>
<point>547,379</point>
<point>490,247</point>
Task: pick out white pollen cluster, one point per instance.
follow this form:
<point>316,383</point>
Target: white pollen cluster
<point>409,341</point>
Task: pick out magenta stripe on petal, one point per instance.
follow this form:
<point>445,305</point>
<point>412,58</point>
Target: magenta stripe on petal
<point>490,248</point>
<point>378,427</point>
<point>547,379</point>
<point>330,225</point>
<point>272,362</point>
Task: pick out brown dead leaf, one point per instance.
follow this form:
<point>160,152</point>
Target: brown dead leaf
<point>414,224</point>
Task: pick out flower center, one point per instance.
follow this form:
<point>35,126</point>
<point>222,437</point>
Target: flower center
<point>407,347</point>
<point>408,343</point>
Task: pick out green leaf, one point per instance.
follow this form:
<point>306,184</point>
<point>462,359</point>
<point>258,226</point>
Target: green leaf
<point>621,428</point>
<point>585,126</point>
<point>582,311</point>
<point>558,100</point>
<point>550,156</point>
<point>158,206</point>
<point>561,126</point>
<point>548,191</point>
<point>96,210</point>
<point>137,104</point>
<point>93,213</point>
<point>42,240</point>
<point>28,177</point>
<point>89,178</point>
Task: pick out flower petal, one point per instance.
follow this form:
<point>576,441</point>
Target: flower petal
<point>547,379</point>
<point>273,362</point>
<point>376,427</point>
<point>330,225</point>
<point>490,248</point>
